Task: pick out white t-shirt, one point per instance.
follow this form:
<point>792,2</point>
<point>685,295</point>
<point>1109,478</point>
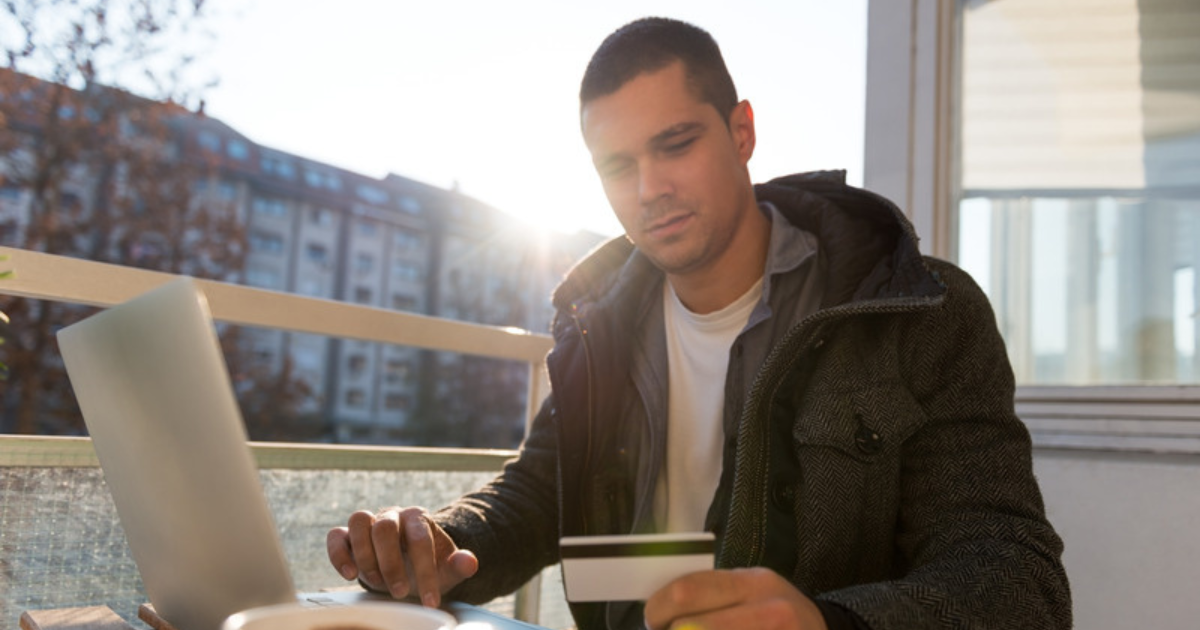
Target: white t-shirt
<point>697,359</point>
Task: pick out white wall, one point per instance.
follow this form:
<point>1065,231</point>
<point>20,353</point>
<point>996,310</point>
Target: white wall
<point>1131,526</point>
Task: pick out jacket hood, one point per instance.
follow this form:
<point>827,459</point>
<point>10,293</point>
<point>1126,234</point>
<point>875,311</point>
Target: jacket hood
<point>869,246</point>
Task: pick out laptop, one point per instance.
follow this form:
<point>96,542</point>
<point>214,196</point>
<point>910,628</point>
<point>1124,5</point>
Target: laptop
<point>156,397</point>
<point>157,400</point>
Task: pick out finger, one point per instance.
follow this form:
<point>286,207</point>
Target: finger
<point>698,593</point>
<point>337,545</point>
<point>461,565</point>
<point>420,547</point>
<point>767,615</point>
<point>389,552</point>
<point>363,550</point>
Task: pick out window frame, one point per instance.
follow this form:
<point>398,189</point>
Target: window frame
<point>911,156</point>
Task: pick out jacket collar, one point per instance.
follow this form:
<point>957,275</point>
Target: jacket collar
<point>870,247</point>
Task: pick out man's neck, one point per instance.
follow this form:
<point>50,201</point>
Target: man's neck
<point>719,284</point>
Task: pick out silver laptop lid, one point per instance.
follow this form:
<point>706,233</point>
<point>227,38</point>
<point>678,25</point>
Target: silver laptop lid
<point>156,397</point>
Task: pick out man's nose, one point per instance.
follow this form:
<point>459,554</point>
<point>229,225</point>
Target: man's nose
<point>654,183</point>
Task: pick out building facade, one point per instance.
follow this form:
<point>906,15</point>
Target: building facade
<point>393,243</point>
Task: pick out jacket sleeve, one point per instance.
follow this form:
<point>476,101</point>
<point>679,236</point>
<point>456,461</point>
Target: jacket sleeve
<point>973,541</point>
<point>511,524</point>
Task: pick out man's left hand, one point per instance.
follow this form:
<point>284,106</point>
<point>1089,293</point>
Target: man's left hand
<point>733,598</point>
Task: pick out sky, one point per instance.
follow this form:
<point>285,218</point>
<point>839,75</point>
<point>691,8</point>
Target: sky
<point>483,95</point>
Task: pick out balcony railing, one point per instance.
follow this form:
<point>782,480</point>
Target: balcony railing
<point>60,542</point>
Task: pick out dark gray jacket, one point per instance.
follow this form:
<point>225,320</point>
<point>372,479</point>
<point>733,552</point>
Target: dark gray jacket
<point>877,461</point>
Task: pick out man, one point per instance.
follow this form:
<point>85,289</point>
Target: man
<point>776,364</point>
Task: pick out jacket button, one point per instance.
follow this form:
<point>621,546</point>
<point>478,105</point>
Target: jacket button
<point>781,496</point>
<point>868,440</point>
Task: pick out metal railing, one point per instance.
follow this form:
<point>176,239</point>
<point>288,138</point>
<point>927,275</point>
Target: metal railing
<point>62,279</point>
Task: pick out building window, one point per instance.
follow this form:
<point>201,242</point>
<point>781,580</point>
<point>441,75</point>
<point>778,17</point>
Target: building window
<point>404,302</point>
<point>264,278</point>
<point>322,179</point>
<point>1079,213</point>
<point>311,287</point>
<point>367,229</point>
<point>397,402</point>
<point>357,364</point>
<point>406,240</point>
<point>362,295</point>
<point>238,150</point>
<point>321,216</point>
<point>410,205</point>
<point>372,194</point>
<point>226,191</point>
<point>356,398</point>
<point>266,243</point>
<point>406,271</point>
<point>364,263</point>
<point>278,166</point>
<point>397,371</point>
<point>269,207</point>
<point>316,254</point>
<point>209,141</point>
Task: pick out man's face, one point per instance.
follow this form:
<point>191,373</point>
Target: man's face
<point>673,172</point>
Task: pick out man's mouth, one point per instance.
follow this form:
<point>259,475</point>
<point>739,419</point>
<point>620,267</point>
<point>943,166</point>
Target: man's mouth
<point>669,225</point>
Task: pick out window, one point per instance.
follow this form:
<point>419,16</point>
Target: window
<point>269,207</point>
<point>237,150</point>
<point>363,295</point>
<point>406,271</point>
<point>322,179</point>
<point>263,278</point>
<point>410,205</point>
<point>372,194</point>
<point>313,178</point>
<point>281,167</point>
<point>404,302</point>
<point>226,191</point>
<point>397,371</point>
<point>311,287</point>
<point>356,398</point>
<point>364,263</point>
<point>1080,212</point>
<point>321,217</point>
<point>266,243</point>
<point>367,229</point>
<point>316,254</point>
<point>397,402</point>
<point>406,240</point>
<point>357,363</point>
<point>209,141</point>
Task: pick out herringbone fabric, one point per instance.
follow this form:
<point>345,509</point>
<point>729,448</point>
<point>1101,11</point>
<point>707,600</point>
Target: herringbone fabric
<point>911,490</point>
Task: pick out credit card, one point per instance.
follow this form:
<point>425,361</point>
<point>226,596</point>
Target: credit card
<point>630,568</point>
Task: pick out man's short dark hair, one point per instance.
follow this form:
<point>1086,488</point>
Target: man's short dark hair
<point>651,44</point>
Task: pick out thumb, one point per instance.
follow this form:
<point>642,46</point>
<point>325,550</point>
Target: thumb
<point>461,565</point>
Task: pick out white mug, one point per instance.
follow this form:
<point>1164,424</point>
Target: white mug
<point>360,616</point>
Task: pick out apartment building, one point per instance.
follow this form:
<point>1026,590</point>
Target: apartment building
<point>393,243</point>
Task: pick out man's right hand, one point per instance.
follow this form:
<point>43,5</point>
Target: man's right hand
<point>400,551</point>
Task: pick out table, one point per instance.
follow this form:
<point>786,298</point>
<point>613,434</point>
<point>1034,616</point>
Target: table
<point>103,618</point>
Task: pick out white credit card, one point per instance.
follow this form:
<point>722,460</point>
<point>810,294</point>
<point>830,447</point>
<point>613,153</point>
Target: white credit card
<point>630,568</point>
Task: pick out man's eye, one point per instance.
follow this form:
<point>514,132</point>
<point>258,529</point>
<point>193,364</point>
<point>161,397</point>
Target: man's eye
<point>679,147</point>
<point>614,171</point>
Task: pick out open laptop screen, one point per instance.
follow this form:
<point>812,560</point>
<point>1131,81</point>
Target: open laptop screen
<point>156,397</point>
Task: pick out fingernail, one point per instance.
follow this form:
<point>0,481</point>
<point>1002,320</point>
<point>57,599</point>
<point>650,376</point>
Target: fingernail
<point>373,578</point>
<point>430,599</point>
<point>348,571</point>
<point>399,588</point>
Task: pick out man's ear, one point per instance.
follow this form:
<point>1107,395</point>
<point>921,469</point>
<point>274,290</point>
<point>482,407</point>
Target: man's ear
<point>741,127</point>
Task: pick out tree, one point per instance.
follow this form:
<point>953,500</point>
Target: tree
<point>102,173</point>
